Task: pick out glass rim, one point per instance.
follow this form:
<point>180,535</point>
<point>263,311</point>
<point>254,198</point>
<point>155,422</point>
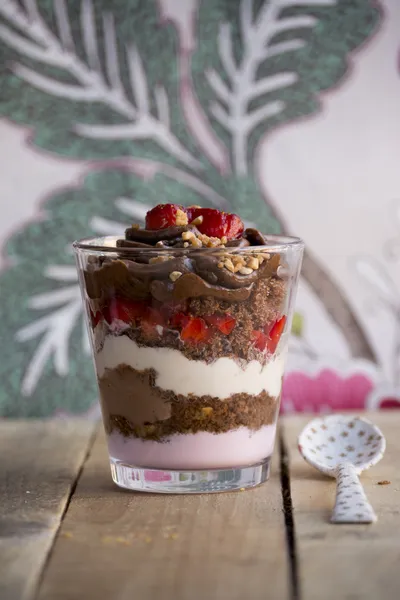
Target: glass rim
<point>99,244</point>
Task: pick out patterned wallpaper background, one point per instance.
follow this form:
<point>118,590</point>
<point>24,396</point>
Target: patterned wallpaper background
<point>287,111</point>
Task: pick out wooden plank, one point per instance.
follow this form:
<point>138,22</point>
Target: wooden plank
<point>121,545</point>
<point>352,562</point>
<point>39,464</point>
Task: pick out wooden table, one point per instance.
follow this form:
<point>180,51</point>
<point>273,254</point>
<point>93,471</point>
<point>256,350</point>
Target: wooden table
<point>66,532</point>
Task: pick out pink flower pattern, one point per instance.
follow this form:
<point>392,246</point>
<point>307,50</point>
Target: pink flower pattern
<point>327,391</point>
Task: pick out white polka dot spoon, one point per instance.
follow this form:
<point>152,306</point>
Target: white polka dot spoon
<point>342,447</point>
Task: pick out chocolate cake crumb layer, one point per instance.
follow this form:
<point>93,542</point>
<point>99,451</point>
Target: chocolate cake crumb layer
<point>135,407</point>
<point>262,307</point>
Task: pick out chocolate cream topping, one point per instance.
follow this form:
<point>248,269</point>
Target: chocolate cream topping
<point>125,391</point>
<point>193,286</point>
<point>207,268</point>
<point>169,235</point>
<point>136,276</point>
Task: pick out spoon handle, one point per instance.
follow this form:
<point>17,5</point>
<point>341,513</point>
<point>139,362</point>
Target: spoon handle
<point>351,504</point>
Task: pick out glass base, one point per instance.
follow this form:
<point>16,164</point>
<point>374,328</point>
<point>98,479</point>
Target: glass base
<point>163,481</point>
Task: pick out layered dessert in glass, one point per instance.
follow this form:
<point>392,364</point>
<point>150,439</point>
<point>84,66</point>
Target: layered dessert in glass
<point>189,320</point>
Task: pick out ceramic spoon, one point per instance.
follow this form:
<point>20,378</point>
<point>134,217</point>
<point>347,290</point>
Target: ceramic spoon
<point>342,447</point>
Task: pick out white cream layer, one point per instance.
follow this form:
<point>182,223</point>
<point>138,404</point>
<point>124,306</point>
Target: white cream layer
<point>175,372</point>
<point>202,450</point>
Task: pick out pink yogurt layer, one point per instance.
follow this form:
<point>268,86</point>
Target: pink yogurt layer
<point>202,450</point>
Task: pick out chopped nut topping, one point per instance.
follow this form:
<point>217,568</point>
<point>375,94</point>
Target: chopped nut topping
<point>253,263</point>
<point>232,262</point>
<point>245,271</point>
<point>160,244</point>
<point>181,218</point>
<point>198,220</point>
<point>207,410</point>
<point>135,226</point>
<point>210,242</point>
<point>158,259</point>
<point>198,239</point>
<point>229,265</point>
<point>204,238</point>
<point>224,240</point>
<point>237,259</point>
<point>262,257</point>
<point>242,263</point>
<point>196,242</point>
<point>175,275</point>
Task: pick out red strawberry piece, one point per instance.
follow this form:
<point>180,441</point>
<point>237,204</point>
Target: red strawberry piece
<point>260,340</point>
<point>95,318</point>
<point>195,330</point>
<point>225,323</point>
<point>162,216</point>
<point>179,320</point>
<point>125,310</point>
<point>275,334</point>
<point>216,223</point>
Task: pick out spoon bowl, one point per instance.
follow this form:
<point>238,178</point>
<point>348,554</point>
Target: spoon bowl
<point>343,446</point>
<point>328,441</point>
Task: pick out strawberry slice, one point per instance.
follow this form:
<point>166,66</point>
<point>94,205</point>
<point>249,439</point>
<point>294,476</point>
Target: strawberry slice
<point>162,216</point>
<point>124,310</point>
<point>275,333</point>
<point>216,223</point>
<point>179,320</point>
<point>259,339</point>
<point>195,330</point>
<point>225,323</point>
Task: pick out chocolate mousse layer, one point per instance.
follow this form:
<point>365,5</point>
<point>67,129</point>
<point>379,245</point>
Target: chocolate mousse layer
<point>197,275</point>
<point>135,407</point>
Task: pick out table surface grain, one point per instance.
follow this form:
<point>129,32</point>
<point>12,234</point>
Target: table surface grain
<point>67,532</point>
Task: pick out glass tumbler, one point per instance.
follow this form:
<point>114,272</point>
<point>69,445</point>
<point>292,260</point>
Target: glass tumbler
<point>189,349</point>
